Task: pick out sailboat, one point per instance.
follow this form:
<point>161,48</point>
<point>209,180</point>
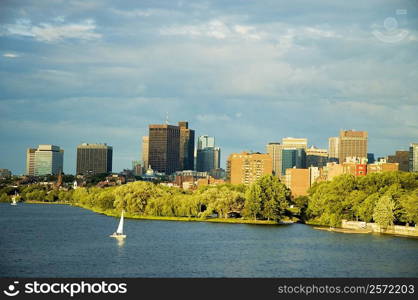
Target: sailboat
<point>14,200</point>
<point>119,232</point>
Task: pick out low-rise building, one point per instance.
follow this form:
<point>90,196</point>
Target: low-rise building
<point>402,158</point>
<point>298,181</point>
<point>382,167</point>
<point>5,173</point>
<point>209,180</point>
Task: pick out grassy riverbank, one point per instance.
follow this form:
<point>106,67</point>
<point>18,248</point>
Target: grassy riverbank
<point>114,213</point>
<point>44,202</point>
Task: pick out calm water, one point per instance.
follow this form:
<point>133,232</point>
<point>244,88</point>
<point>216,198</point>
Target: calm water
<point>64,241</point>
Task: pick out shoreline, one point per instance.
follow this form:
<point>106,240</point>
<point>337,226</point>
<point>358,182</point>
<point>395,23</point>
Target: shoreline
<point>314,225</point>
<point>343,230</point>
<point>113,213</point>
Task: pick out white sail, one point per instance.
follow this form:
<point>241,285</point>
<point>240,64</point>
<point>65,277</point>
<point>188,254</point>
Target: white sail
<point>120,227</point>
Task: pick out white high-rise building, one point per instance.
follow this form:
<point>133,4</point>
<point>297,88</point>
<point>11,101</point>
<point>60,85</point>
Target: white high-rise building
<point>205,141</point>
<point>49,159</point>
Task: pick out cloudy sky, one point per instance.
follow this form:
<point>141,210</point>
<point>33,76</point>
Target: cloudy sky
<point>246,72</point>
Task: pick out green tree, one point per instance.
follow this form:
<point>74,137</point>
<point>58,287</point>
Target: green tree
<point>252,207</point>
<point>366,208</point>
<point>409,207</point>
<point>301,204</point>
<point>133,197</point>
<point>4,198</point>
<point>383,211</point>
<point>275,197</point>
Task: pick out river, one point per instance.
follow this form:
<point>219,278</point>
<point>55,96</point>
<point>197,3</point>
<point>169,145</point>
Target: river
<point>39,240</point>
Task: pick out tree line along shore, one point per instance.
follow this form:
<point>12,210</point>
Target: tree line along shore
<point>385,198</point>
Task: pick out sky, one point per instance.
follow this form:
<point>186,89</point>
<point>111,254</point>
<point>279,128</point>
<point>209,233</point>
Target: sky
<point>245,72</point>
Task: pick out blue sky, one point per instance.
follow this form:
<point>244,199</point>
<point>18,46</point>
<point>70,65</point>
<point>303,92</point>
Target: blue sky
<point>246,72</point>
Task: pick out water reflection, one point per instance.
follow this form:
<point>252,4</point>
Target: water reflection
<point>121,242</point>
<point>188,249</point>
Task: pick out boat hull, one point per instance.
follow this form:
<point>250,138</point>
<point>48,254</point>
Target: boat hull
<point>118,236</point>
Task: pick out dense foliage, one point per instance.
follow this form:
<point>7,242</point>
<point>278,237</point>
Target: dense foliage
<point>385,198</point>
<point>146,198</point>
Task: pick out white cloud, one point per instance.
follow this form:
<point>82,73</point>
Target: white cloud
<point>248,32</point>
<point>47,32</point>
<point>139,12</point>
<point>10,55</point>
<point>214,29</point>
<point>314,32</point>
<point>210,118</point>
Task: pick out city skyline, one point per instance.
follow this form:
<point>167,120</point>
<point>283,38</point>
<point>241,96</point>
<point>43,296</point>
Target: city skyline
<point>247,73</point>
<point>196,145</point>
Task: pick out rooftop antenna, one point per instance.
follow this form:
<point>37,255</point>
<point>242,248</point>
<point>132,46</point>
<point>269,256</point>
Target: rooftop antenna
<point>166,118</point>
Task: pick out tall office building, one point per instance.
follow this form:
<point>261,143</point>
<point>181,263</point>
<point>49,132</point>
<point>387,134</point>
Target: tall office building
<point>275,151</point>
<point>48,160</point>
<point>413,157</point>
<point>293,158</point>
<point>186,150</point>
<point>205,141</point>
<point>208,159</point>
<point>333,143</point>
<point>352,144</point>
<point>298,143</point>
<point>137,168</point>
<point>247,167</point>
<point>145,151</point>
<point>164,148</point>
<point>316,157</point>
<point>402,158</point>
<point>94,159</point>
<point>30,161</point>
<point>370,158</point>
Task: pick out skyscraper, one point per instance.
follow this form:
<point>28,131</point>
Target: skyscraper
<point>94,159</point>
<point>186,150</point>
<point>298,143</point>
<point>352,144</point>
<point>208,157</point>
<point>316,157</point>
<point>333,143</point>
<point>164,148</point>
<point>247,167</point>
<point>30,161</point>
<point>145,151</point>
<point>370,158</point>
<point>205,141</point>
<point>293,158</point>
<point>48,160</point>
<point>413,157</point>
<point>137,168</point>
<point>275,151</point>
